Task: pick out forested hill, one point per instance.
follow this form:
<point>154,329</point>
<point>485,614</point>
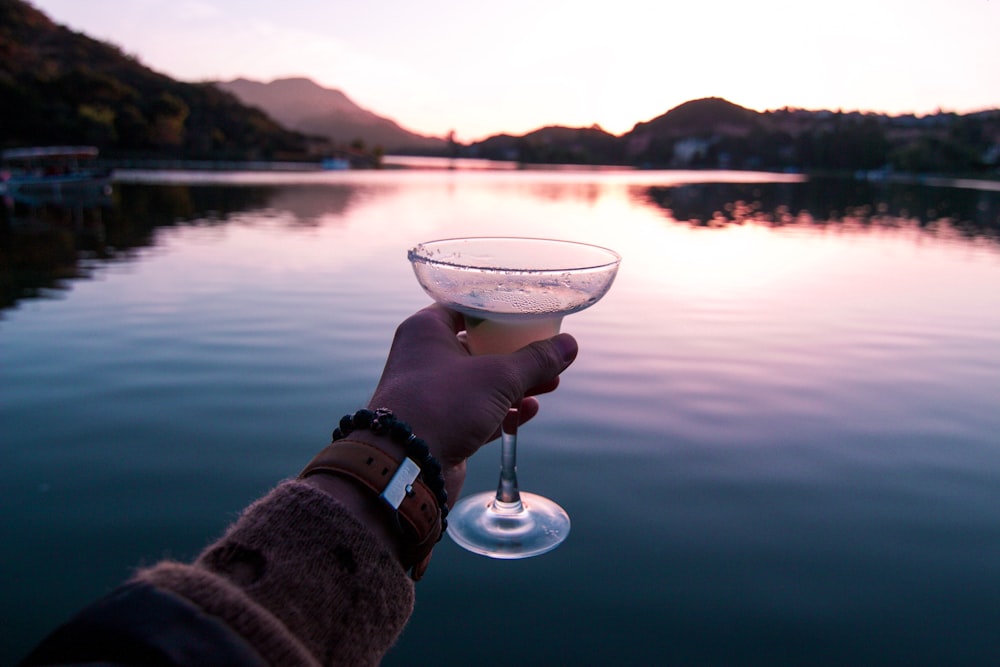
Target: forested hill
<point>58,86</point>
<point>61,87</point>
<point>714,133</point>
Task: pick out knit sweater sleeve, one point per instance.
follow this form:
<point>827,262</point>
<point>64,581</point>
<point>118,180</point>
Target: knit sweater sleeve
<point>300,579</point>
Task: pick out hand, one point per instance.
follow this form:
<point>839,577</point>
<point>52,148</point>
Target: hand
<point>455,400</point>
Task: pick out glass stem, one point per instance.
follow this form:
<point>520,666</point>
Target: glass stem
<point>508,497</point>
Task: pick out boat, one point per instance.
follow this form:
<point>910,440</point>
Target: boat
<point>335,163</point>
<point>52,173</point>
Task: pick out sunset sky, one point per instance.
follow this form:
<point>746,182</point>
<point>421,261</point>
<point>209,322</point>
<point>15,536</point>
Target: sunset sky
<point>481,68</point>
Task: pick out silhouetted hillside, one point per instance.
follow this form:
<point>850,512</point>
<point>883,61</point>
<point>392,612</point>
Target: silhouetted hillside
<point>303,105</point>
<point>688,131</point>
<point>555,145</point>
<point>59,86</point>
<point>713,133</point>
<point>711,115</point>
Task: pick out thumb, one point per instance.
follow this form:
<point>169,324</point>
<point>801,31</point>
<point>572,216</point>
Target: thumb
<point>542,361</point>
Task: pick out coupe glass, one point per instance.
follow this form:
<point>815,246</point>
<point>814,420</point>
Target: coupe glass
<point>512,291</point>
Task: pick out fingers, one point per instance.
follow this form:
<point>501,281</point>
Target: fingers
<point>456,399</point>
<point>528,409</point>
<point>452,318</point>
<point>543,388</point>
<point>433,319</point>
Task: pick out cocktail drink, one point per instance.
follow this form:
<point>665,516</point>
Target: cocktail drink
<point>499,336</point>
<point>512,292</point>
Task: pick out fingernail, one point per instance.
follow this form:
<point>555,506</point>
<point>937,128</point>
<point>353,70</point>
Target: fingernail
<point>567,347</point>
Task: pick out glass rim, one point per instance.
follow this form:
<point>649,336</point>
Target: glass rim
<point>415,255</point>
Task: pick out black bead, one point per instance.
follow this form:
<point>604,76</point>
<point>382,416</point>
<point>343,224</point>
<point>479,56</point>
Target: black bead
<point>432,467</point>
<point>400,432</point>
<point>363,418</point>
<point>418,450</point>
<point>444,511</point>
<point>337,434</point>
<point>346,424</point>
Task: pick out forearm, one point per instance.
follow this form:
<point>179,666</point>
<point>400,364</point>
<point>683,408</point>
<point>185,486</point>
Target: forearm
<point>299,570</point>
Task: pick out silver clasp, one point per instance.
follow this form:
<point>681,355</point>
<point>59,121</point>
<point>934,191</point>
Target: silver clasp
<point>401,484</point>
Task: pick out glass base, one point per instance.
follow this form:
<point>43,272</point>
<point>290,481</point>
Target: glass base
<point>482,525</point>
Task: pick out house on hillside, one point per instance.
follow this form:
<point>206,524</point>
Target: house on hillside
<point>688,150</point>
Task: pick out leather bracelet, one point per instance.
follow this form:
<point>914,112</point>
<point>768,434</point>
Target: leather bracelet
<point>397,482</point>
<point>381,421</point>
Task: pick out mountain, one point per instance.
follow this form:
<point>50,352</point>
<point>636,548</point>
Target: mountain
<point>59,86</point>
<point>303,105</point>
<point>675,138</point>
<point>707,116</point>
<point>688,134</point>
<point>713,133</point>
<point>554,145</point>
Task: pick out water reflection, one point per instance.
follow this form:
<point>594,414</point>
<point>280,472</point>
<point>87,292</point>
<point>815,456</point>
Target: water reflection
<point>803,419</point>
<point>315,205</point>
<point>826,201</point>
<point>47,245</point>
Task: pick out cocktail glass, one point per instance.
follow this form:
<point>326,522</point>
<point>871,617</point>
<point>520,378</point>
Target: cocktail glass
<point>512,292</point>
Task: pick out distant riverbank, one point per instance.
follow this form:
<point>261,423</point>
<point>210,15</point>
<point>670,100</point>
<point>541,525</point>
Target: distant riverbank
<point>149,170</point>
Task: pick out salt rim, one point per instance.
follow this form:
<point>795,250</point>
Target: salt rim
<point>420,253</point>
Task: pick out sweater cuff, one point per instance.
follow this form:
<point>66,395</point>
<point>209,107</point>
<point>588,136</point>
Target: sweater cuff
<point>299,573</point>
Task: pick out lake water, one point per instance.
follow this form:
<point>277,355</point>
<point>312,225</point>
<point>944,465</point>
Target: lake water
<point>780,444</point>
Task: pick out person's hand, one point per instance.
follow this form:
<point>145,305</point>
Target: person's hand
<point>454,400</point>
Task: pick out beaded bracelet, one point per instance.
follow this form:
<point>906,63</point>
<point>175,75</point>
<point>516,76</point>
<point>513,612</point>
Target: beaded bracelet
<point>381,421</point>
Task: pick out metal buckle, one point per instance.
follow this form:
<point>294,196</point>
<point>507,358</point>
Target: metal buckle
<point>401,484</point>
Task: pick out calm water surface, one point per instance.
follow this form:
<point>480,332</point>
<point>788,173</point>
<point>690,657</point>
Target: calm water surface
<point>780,443</point>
